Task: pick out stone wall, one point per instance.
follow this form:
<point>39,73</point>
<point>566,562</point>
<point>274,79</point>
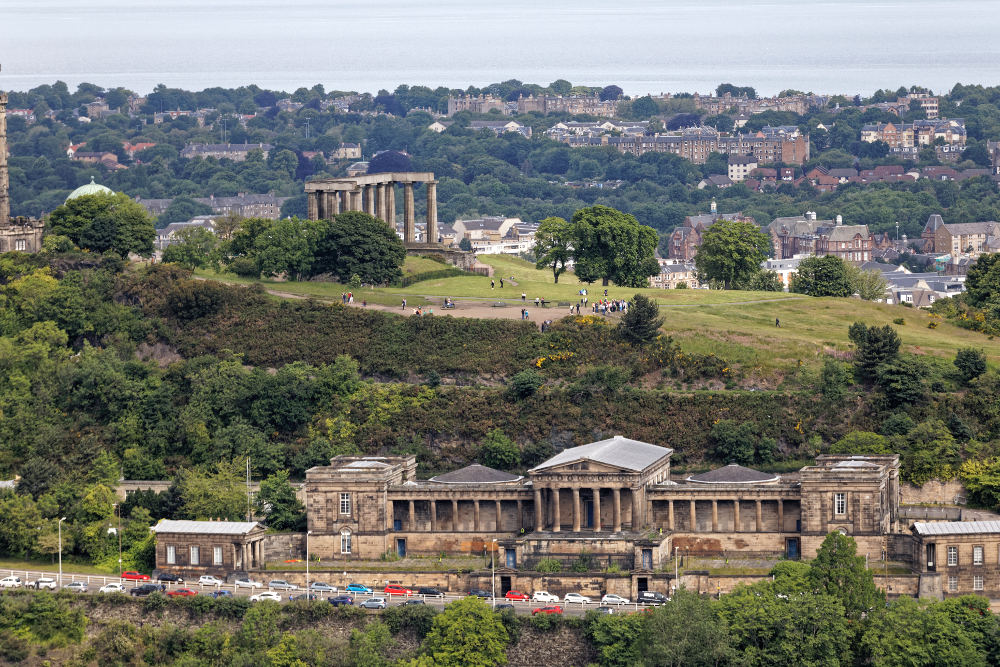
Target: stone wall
<point>935,491</point>
<point>283,546</point>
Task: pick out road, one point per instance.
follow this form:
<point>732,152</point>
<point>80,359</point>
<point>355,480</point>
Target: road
<point>95,582</point>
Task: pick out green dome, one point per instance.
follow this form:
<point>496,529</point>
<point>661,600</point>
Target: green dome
<point>89,189</point>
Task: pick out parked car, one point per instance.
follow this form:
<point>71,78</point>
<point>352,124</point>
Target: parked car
<point>611,598</point>
<point>373,603</point>
<point>340,600</point>
<point>76,587</point>
<point>303,596</point>
<point>132,575</point>
<point>576,597</point>
<point>169,578</point>
<point>182,593</point>
<point>393,589</point>
<point>247,582</point>
<point>321,587</point>
<point>112,588</point>
<point>414,601</point>
<point>281,585</point>
<point>357,588</point>
<point>146,589</point>
<point>544,596</point>
<point>652,597</point>
<point>553,609</point>
<point>221,593</point>
<point>210,580</point>
<point>605,610</point>
<point>480,593</point>
<point>42,582</point>
<point>266,595</point>
<point>517,595</point>
<point>430,592</point>
<point>503,607</point>
<point>11,582</point>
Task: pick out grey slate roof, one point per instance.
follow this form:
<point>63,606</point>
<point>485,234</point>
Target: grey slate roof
<point>616,451</point>
<point>205,527</point>
<point>956,527</point>
<point>839,233</point>
<point>475,474</point>
<point>733,474</point>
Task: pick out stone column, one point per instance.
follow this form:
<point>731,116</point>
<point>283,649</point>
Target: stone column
<point>539,516</point>
<point>597,510</point>
<point>355,199</point>
<point>412,519</point>
<point>390,203</point>
<point>499,520</point>
<point>409,221</point>
<point>556,515</point>
<point>781,515</point>
<point>380,201</point>
<point>454,515</point>
<point>336,202</point>
<point>312,201</point>
<point>670,514</point>
<point>434,516</point>
<point>520,516</point>
<point>576,509</point>
<point>758,517</point>
<point>475,516</point>
<point>617,526</point>
<point>715,516</point>
<point>694,517</point>
<point>736,515</point>
<point>636,509</point>
<point>390,511</point>
<point>432,212</point>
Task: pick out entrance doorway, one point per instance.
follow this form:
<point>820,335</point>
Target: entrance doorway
<point>647,559</point>
<point>511,559</point>
<point>588,513</point>
<point>931,567</point>
<point>792,548</point>
<point>504,585</point>
<point>401,547</point>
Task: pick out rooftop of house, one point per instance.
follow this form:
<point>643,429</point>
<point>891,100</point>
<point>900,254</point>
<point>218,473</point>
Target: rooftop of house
<point>617,451</point>
<point>956,527</point>
<point>205,527</point>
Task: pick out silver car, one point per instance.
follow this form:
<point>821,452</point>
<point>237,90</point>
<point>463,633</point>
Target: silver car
<point>374,603</point>
<point>320,587</point>
<point>76,586</point>
<point>247,582</point>
<point>281,585</point>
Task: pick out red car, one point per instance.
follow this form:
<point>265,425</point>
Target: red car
<point>393,589</point>
<point>547,610</point>
<point>134,576</point>
<point>181,592</point>
<point>517,595</point>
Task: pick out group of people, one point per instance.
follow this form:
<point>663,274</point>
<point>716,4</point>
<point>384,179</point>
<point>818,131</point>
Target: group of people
<point>524,313</point>
<point>605,306</point>
<point>347,298</point>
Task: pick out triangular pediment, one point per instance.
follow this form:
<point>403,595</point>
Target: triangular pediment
<point>583,466</point>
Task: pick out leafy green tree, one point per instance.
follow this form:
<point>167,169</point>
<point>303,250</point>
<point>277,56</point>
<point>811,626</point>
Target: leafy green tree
<point>822,276</point>
<point>641,322</point>
<point>874,346</point>
<point>466,634</point>
<point>389,161</point>
<point>524,384</point>
<point>359,244</point>
<point>277,503</point>
<point>221,494</point>
<point>17,531</point>
<point>738,442</point>
<point>288,247</point>
<point>194,248</point>
<point>981,479</point>
<point>465,244</point>
<point>902,380</point>
<point>763,281</point>
<point>868,285</point>
<point>684,632</point>
<point>982,284</point>
<point>790,577</point>
<point>609,245</point>
<point>616,637</point>
<point>553,245</point>
<point>928,450</point>
<point>369,646</point>
<point>499,451</point>
<point>182,209</point>
<point>861,442</point>
<point>839,572</point>
<point>971,363</point>
<point>731,252</point>
<point>910,633</point>
<point>973,615</point>
<point>833,380</point>
<point>105,222</point>
<point>611,92</point>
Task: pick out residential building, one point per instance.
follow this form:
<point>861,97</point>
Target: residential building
<point>770,144</point>
<point>246,205</point>
<point>357,169</point>
<point>740,167</point>
<point>475,104</point>
<point>234,152</point>
<point>168,235</point>
<point>346,151</point>
<point>805,236</point>
<point>673,273</point>
<point>715,181</point>
<point>195,548</point>
<point>685,240</point>
<point>499,127</point>
<point>785,268</point>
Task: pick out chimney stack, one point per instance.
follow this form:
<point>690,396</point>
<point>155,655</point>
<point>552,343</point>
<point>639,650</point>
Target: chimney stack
<point>840,219</point>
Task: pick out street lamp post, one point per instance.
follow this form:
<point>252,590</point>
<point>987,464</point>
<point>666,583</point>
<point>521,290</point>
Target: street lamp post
<point>60,550</point>
<point>308,533</point>
<point>493,571</point>
<point>118,512</point>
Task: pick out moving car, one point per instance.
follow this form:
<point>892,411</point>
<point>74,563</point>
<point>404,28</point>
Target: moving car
<point>112,588</point>
<point>42,582</point>
<point>170,578</point>
<point>480,593</point>
<point>247,582</point>
<point>430,592</point>
<point>554,609</point>
<point>281,585</point>
<point>303,596</point>
<point>544,596</point>
<point>221,593</point>
<point>611,598</point>
<point>266,595</point>
<point>517,595</point>
<point>393,589</point>
<point>10,582</point>
<point>132,575</point>
<point>76,587</point>
<point>341,600</point>
<point>209,580</point>
<point>374,603</point>
<point>652,597</point>
<point>320,587</point>
<point>357,588</point>
<point>414,601</point>
<point>146,589</point>
<point>182,593</point>
<point>576,597</point>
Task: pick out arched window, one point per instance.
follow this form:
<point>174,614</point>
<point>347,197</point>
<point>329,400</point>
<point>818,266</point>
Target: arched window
<point>345,541</point>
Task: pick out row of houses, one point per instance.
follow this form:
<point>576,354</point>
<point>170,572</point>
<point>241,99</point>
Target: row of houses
<point>244,204</point>
<point>498,127</point>
<point>544,104</point>
<point>918,133</point>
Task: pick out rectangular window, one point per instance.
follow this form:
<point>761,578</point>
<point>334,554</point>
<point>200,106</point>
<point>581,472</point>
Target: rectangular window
<point>20,244</point>
<point>195,560</point>
<point>952,556</point>
<point>171,555</point>
<point>977,555</point>
<point>977,582</point>
<point>840,503</point>
<point>952,584</point>
<point>345,503</point>
<point>217,556</point>
<point>345,542</point>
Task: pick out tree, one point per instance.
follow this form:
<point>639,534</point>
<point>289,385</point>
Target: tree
<point>839,572</point>
<point>902,380</point>
<point>611,92</point>
<point>524,384</point>
<point>861,442</point>
<point>790,577</point>
<point>277,502</point>
<point>684,632</point>
<point>465,244</point>
<point>387,161</point>
<point>221,494</point>
<point>360,244</point>
<point>738,442</point>
<point>466,634</point>
<point>971,363</point>
<point>822,276</point>
<point>833,380</point>
<point>982,284</point>
<point>288,247</point>
<point>193,250</point>
<point>182,209</point>
<point>553,245</point>
<point>909,632</point>
<point>641,322</point>
<point>874,346</point>
<point>731,252</point>
<point>645,107</point>
<point>499,451</point>
<point>616,637</point>
<point>105,222</point>
<point>869,285</point>
<point>612,246</point>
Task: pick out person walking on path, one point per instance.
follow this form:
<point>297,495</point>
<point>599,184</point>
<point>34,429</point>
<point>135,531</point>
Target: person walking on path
<point>404,304</point>
<point>777,322</point>
<point>523,297</point>
<point>493,284</point>
<point>501,283</point>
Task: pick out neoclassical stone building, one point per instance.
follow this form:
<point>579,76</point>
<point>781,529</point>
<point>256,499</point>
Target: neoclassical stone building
<point>612,502</point>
